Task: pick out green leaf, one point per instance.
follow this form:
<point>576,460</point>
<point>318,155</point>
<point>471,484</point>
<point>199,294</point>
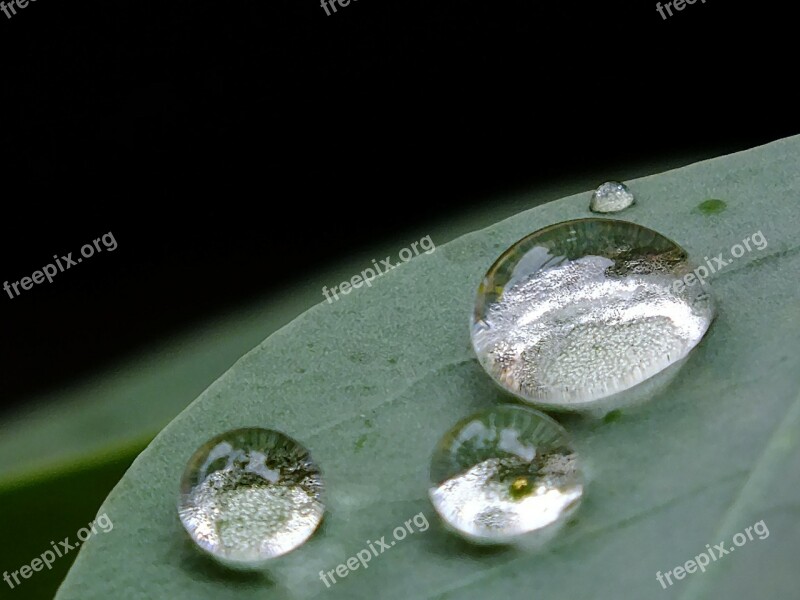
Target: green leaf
<point>370,383</point>
<point>62,454</point>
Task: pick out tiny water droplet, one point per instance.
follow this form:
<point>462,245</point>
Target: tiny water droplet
<point>582,310</point>
<point>611,196</point>
<point>250,495</point>
<point>505,472</point>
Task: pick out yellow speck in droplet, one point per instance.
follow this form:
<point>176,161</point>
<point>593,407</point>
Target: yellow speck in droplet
<point>520,487</point>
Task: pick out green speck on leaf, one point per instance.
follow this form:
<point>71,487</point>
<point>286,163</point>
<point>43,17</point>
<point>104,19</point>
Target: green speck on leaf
<point>613,416</point>
<point>712,207</point>
<point>361,441</point>
<point>359,357</point>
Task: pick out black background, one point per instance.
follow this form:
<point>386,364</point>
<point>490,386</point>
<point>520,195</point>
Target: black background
<point>233,146</point>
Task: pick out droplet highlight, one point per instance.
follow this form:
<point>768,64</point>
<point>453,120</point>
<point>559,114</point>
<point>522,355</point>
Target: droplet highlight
<point>610,197</point>
<point>504,473</point>
<point>585,309</point>
<point>250,495</point>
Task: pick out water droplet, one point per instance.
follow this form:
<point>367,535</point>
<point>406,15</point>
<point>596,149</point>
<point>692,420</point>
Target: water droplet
<point>582,310</point>
<point>612,196</point>
<point>505,472</point>
<point>250,495</point>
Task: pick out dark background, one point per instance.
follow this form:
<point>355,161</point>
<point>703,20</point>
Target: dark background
<point>231,147</point>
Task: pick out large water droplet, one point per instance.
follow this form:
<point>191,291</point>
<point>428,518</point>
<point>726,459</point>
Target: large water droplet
<point>505,472</point>
<point>612,196</point>
<point>584,309</point>
<point>250,495</point>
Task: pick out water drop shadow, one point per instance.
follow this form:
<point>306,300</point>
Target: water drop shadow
<point>610,409</point>
<point>203,567</point>
<point>442,540</point>
<point>449,543</point>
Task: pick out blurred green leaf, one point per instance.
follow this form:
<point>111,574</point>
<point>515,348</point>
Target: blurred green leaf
<point>51,506</point>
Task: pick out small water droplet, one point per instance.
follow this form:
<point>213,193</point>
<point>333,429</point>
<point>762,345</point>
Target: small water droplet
<point>611,196</point>
<point>505,472</point>
<point>250,495</point>
<point>582,310</point>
